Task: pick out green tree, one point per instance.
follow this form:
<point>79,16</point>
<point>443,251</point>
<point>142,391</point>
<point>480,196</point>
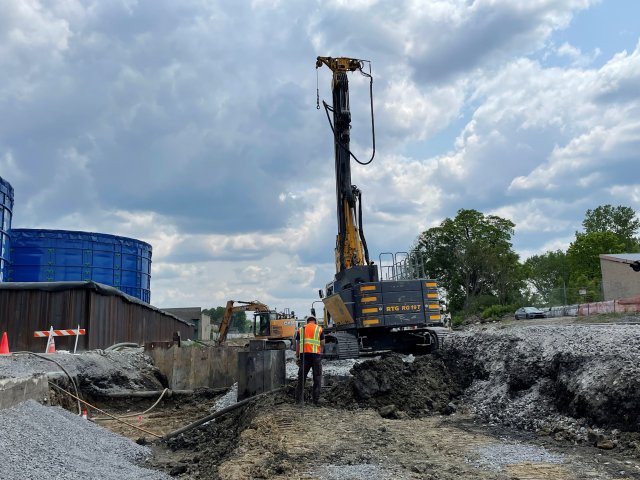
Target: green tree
<point>472,257</point>
<point>548,274</point>
<point>583,255</point>
<point>239,320</point>
<point>620,220</point>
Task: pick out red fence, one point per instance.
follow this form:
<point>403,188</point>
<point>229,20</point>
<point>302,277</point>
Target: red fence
<point>621,305</point>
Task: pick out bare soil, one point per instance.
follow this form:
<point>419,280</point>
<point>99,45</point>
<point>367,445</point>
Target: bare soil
<point>275,439</point>
<point>506,402</point>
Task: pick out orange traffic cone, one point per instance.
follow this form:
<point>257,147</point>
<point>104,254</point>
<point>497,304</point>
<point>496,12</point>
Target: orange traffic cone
<point>52,346</point>
<point>4,345</point>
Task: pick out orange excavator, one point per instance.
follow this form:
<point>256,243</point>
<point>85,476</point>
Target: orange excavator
<point>274,327</point>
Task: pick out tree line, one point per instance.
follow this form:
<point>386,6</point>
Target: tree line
<point>473,259</point>
<point>238,322</point>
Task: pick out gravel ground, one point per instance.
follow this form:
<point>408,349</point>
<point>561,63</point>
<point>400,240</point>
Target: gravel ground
<point>364,471</point>
<point>227,399</point>
<point>569,381</point>
<point>39,442</point>
<point>332,368</point>
<point>498,455</point>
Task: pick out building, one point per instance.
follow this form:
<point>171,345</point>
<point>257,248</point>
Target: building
<point>194,315</point>
<point>619,279</point>
<point>108,315</point>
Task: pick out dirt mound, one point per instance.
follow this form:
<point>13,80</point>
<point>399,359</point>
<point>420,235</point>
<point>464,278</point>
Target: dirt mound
<point>105,372</point>
<point>399,388</point>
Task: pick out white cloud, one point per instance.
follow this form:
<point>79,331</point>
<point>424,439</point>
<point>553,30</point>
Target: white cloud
<point>575,55</point>
<point>192,126</point>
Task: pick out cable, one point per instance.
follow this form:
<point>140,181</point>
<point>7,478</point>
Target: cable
<point>136,414</point>
<point>102,411</point>
<point>327,108</point>
<point>75,387</point>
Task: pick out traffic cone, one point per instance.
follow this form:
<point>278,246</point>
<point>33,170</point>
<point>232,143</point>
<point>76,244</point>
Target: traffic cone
<point>4,345</point>
<point>52,346</point>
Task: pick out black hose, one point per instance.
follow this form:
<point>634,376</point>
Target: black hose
<point>215,415</point>
<point>73,383</point>
<point>361,231</point>
<point>327,108</point>
<point>120,345</point>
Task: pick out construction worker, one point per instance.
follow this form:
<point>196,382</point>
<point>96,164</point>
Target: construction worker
<point>309,347</point>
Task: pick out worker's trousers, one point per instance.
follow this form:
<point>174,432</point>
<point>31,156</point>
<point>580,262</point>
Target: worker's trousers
<point>308,362</point>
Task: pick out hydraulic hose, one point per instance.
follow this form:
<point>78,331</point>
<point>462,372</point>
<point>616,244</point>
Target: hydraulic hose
<point>136,414</point>
<point>361,230</point>
<point>328,109</point>
<point>102,411</point>
<point>73,383</point>
<point>117,346</point>
<point>215,415</point>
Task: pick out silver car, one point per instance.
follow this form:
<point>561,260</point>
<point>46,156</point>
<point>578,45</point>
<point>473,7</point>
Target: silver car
<point>529,312</point>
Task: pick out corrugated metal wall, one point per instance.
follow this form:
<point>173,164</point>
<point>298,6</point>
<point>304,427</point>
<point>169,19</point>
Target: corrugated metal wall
<point>108,317</point>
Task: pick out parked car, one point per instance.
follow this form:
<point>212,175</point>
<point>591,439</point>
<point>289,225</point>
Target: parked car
<point>529,312</point>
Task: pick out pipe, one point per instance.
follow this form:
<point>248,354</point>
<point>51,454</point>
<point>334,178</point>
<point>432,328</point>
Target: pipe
<point>120,345</point>
<point>155,393</point>
<point>215,415</point>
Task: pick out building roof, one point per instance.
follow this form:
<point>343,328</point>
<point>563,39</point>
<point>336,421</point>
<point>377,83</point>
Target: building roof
<point>621,257</point>
<point>186,313</point>
<point>99,288</point>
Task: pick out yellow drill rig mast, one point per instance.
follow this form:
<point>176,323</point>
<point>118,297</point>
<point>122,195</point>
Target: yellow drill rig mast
<point>351,246</point>
<point>367,313</point>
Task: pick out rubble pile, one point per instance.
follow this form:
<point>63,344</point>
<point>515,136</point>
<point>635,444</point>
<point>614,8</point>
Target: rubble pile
<point>573,381</point>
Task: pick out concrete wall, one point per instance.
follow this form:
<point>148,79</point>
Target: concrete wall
<point>260,371</point>
<point>16,390</point>
<point>205,327</point>
<point>192,367</point>
<point>618,279</point>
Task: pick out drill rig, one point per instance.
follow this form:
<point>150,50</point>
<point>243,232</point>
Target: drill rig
<point>367,310</point>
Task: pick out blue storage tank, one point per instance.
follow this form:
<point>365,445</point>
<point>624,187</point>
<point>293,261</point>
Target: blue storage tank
<point>61,255</point>
<point>6,205</point>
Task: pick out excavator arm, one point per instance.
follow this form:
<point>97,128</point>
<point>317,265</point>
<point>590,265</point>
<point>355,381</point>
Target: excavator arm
<point>230,310</point>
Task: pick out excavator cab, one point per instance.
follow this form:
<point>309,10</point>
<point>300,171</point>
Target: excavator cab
<point>262,323</point>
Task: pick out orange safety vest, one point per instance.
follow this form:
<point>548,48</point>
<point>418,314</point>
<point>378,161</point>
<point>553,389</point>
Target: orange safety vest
<point>309,338</point>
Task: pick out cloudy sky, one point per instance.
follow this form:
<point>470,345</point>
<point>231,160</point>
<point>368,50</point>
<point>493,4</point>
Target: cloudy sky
<point>192,125</point>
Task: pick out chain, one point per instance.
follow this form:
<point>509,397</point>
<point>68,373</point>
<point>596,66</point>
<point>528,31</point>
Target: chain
<point>317,91</point>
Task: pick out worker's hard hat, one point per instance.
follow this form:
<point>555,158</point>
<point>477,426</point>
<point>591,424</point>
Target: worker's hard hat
<point>311,317</point>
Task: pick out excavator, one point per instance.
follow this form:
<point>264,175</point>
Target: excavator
<point>368,307</point>
<point>277,329</point>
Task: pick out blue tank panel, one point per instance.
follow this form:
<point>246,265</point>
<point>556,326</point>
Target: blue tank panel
<point>6,212</point>
<point>61,255</point>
